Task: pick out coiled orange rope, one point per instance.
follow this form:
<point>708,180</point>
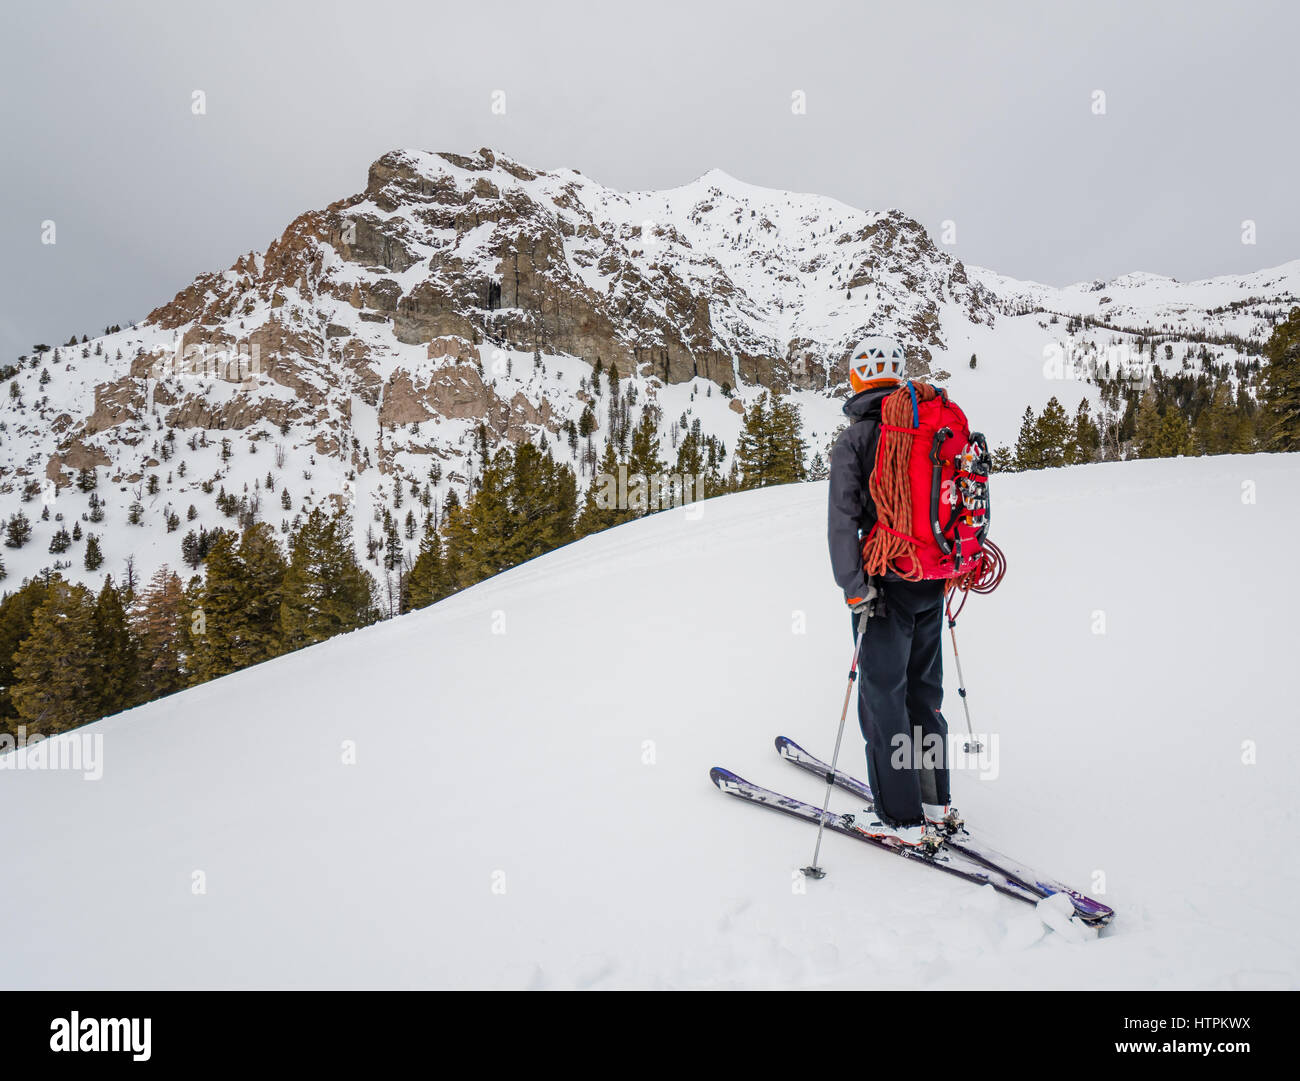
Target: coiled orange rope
<point>892,494</point>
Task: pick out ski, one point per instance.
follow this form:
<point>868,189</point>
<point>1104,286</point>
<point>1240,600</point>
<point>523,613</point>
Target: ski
<point>1085,908</point>
<point>954,863</point>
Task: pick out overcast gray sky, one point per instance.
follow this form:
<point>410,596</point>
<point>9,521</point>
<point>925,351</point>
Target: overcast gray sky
<point>978,113</point>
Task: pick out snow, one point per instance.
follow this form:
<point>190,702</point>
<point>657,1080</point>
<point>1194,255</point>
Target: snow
<point>1146,299</point>
<point>530,804</point>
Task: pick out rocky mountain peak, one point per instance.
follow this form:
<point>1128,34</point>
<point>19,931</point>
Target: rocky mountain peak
<point>456,299</point>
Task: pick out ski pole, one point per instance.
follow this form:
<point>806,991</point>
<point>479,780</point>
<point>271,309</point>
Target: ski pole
<point>812,870</point>
<point>973,746</point>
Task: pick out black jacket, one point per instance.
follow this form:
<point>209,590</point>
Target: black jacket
<point>852,511</point>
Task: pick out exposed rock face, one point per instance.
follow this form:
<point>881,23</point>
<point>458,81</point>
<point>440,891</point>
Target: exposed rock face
<point>455,390</point>
<point>61,466</point>
<point>450,345</point>
<point>114,404</point>
<point>485,251</point>
<point>196,411</point>
<point>409,298</point>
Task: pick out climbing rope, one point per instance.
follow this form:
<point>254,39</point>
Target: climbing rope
<point>891,490</point>
<point>984,576</point>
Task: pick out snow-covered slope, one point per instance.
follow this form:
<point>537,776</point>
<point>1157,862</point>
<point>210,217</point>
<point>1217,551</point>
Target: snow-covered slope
<point>529,803</point>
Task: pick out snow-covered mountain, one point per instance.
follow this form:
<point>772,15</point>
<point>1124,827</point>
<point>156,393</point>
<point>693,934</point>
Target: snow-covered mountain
<point>510,788</point>
<point>362,349</point>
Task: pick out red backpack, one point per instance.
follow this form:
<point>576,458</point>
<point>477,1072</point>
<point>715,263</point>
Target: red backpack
<point>930,484</point>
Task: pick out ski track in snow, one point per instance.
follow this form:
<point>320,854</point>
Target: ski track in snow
<point>460,850</point>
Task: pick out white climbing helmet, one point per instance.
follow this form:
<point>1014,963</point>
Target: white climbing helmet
<point>875,361</point>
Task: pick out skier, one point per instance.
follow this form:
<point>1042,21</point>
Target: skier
<point>900,690</point>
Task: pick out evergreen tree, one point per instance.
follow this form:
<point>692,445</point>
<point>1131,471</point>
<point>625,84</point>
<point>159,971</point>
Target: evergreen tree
<point>158,621</point>
<point>524,507</point>
<point>1216,428</point>
<point>193,624</point>
<point>17,612</point>
<point>116,653</point>
<point>543,503</point>
<point>1004,459</point>
<point>326,591</point>
<point>56,668</point>
<point>1086,444</point>
<point>644,462</point>
<point>788,448</point>
<point>194,547</point>
<point>690,454</point>
<point>1146,431</point>
<point>224,591</point>
<point>1248,416</point>
<point>452,571</point>
<point>1129,419</point>
<point>697,465</point>
<point>604,489</point>
<point>427,581</point>
<point>1280,400</point>
<point>241,602</point>
<point>753,447</point>
<point>1056,435</point>
<point>19,530</point>
<point>264,568</point>
<point>392,545</point>
<point>1173,436</point>
<point>94,558</point>
<point>1049,440</point>
<point>1026,454</point>
<point>615,409</point>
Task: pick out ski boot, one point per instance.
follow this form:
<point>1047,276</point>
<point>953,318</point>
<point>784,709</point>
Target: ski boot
<point>923,838</point>
<point>943,817</point>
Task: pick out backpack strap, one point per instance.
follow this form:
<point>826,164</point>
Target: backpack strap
<point>891,532</point>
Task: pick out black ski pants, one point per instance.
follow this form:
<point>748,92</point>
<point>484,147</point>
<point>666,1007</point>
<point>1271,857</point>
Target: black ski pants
<point>900,692</point>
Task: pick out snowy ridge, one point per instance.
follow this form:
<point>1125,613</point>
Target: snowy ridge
<point>1232,304</point>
